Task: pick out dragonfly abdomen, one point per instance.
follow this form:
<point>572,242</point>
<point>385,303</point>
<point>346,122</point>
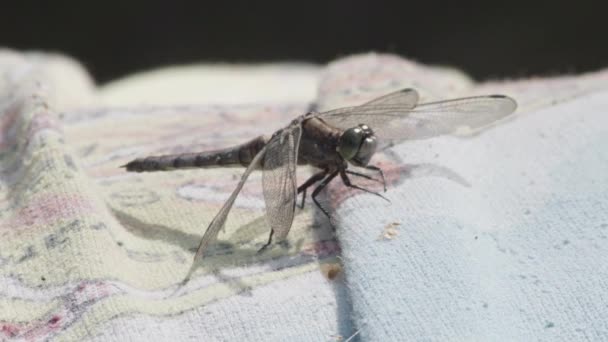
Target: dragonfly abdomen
<point>235,156</point>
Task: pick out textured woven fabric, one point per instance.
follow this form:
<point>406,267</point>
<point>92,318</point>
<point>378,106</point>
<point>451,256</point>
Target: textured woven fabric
<point>497,236</point>
<point>89,251</point>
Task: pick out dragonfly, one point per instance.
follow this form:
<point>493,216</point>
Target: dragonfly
<point>339,142</point>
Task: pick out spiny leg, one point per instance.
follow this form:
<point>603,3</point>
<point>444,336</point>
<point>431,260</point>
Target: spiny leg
<point>362,175</point>
<point>321,187</point>
<point>379,170</point>
<point>267,243</point>
<point>348,183</point>
<point>312,180</point>
<point>302,188</point>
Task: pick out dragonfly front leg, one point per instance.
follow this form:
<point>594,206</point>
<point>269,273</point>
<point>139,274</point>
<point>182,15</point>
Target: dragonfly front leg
<point>379,170</point>
<point>362,175</point>
<point>370,167</point>
<point>312,180</point>
<point>349,184</point>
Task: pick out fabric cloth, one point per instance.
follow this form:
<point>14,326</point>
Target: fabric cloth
<point>498,236</point>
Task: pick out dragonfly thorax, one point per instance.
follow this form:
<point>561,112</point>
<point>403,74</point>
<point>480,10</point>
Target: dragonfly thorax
<point>357,145</point>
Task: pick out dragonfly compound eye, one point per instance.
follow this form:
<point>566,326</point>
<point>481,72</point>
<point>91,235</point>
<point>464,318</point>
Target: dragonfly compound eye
<point>366,151</point>
<point>358,145</point>
<point>349,143</point>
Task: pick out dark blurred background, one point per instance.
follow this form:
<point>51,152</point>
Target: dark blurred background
<point>485,39</point>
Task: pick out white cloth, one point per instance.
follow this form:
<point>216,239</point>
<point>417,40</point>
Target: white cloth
<point>499,236</point>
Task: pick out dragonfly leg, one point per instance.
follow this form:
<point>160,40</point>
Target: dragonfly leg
<point>312,180</point>
<point>267,243</point>
<point>348,183</point>
<point>321,187</point>
<point>362,175</point>
<point>379,170</point>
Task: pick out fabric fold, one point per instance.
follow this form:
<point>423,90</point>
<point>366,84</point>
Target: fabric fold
<point>497,236</point>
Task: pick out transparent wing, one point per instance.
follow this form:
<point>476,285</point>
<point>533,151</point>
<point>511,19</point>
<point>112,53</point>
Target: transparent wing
<point>279,179</point>
<point>405,98</point>
<point>394,122</point>
<point>218,221</point>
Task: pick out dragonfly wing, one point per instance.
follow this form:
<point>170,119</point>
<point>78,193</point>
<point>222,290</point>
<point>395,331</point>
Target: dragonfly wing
<point>405,98</point>
<point>395,123</point>
<point>279,179</point>
<point>220,219</point>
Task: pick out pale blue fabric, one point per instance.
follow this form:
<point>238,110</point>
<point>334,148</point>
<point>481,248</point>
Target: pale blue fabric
<point>518,254</point>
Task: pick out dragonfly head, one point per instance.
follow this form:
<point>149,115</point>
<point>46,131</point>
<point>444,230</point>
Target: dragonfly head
<point>357,145</point>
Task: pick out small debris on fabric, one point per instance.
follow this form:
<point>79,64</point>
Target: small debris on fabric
<point>390,231</point>
<point>331,270</point>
